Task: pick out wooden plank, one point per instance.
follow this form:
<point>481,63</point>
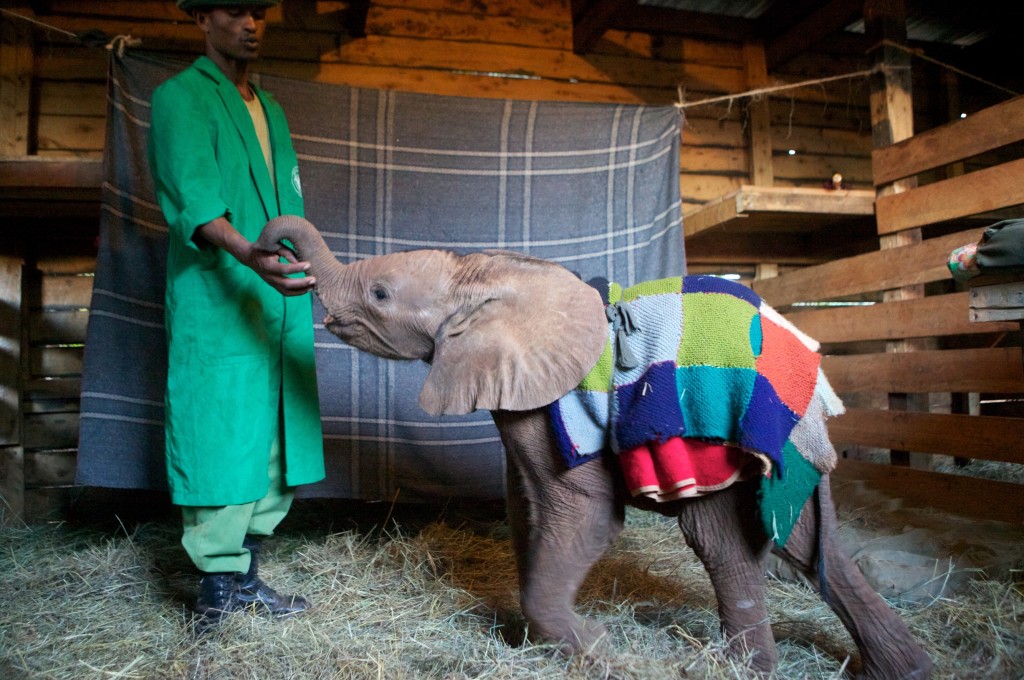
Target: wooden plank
<point>950,434</point>
<point>976,192</point>
<point>952,493</point>
<point>15,84</point>
<point>998,302</point>
<point>983,131</point>
<point>881,270</point>
<point>58,326</point>
<point>537,62</point>
<point>72,98</point>
<point>315,15</point>
<point>734,210</point>
<point>51,390</point>
<point>826,202</point>
<point>937,315</point>
<point>50,468</point>
<point>552,10</point>
<point>74,291</point>
<point>475,83</point>
<point>998,370</point>
<point>52,362</point>
<point>51,431</point>
<point>76,133</point>
<point>35,172</point>
<point>753,249</point>
<point>58,62</point>
<point>512,29</point>
<point>12,483</point>
<point>814,169</point>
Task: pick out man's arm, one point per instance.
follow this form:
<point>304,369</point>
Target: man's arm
<point>268,265</point>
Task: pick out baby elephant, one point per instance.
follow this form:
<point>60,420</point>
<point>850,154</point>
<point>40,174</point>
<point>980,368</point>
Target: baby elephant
<point>686,396</point>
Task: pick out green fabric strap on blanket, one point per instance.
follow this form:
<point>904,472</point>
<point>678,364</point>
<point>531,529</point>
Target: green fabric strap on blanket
<point>782,499</point>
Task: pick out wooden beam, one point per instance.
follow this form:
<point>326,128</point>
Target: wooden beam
<point>649,19</point>
<point>871,272</point>
<point>589,26</point>
<point>759,130</point>
<point>816,27</point>
<point>50,173</point>
<point>998,302</point>
<point>950,434</point>
<point>997,370</point>
<point>977,192</point>
<point>932,316</point>
<point>961,495</point>
<point>983,131</point>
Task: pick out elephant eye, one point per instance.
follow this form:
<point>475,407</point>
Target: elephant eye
<point>380,293</point>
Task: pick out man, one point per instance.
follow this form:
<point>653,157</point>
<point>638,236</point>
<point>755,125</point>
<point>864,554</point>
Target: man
<point>242,411</point>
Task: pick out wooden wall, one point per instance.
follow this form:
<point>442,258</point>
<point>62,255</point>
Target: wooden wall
<point>927,373</point>
<point>507,48</point>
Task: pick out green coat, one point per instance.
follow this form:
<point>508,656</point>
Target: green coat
<point>237,349</point>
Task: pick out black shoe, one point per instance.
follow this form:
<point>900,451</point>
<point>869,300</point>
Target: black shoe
<point>253,592</point>
<point>218,597</point>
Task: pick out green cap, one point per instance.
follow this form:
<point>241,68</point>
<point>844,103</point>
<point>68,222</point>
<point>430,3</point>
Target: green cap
<point>189,5</point>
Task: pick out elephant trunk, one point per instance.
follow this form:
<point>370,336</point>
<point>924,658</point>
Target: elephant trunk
<point>305,240</point>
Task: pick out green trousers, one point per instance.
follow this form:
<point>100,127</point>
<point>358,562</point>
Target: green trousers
<point>213,536</point>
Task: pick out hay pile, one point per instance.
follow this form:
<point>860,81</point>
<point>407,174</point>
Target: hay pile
<point>422,592</point>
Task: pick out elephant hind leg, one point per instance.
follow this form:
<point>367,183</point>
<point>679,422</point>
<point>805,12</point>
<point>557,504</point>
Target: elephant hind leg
<point>732,550</point>
<point>887,649</point>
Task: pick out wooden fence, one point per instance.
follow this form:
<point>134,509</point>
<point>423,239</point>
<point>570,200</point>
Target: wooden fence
<point>918,373</point>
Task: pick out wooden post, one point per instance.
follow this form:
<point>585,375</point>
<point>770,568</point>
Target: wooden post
<point>762,173</point>
<point>12,455</point>
<point>16,63</point>
<point>892,120</point>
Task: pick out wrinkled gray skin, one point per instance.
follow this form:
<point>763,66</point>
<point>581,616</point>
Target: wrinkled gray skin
<point>510,334</point>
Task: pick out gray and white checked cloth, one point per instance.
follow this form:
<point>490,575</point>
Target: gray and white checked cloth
<point>592,186</point>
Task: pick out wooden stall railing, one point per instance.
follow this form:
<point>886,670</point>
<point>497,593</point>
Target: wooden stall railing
<point>962,356</point>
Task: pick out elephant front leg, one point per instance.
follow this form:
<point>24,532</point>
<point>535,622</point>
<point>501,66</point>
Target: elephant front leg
<point>887,649</point>
<point>722,530</point>
<point>562,523</point>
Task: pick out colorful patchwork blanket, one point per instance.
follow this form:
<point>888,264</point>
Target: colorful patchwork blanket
<point>702,384</point>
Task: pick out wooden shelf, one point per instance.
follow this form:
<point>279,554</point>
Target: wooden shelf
<point>37,188</point>
<point>751,209</point>
<point>781,224</point>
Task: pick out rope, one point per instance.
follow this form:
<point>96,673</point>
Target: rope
<point>921,55</point>
<point>91,38</point>
<point>119,42</point>
<point>778,88</point>
<point>40,23</point>
<point>682,104</point>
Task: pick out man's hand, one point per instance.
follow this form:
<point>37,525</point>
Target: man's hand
<point>266,263</point>
<point>270,268</point>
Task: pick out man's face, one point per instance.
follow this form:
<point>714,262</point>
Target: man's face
<point>234,32</point>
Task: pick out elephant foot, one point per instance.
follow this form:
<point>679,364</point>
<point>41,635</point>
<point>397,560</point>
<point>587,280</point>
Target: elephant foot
<point>909,663</point>
<point>761,658</point>
<point>575,635</point>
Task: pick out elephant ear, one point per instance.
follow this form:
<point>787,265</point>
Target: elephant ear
<point>523,332</point>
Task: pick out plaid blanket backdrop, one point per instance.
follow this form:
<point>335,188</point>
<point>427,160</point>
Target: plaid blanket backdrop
<point>594,187</point>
